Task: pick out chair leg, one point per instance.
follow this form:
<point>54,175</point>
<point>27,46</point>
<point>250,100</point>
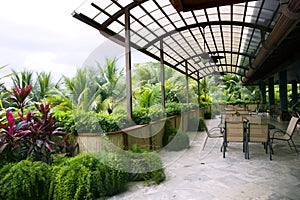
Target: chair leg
<point>224,149</point>
<point>294,146</point>
<point>271,146</point>
<point>246,150</point>
<point>271,150</point>
<point>205,142</point>
<point>289,145</point>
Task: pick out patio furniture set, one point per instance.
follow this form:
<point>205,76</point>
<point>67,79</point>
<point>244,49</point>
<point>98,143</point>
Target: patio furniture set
<point>245,128</point>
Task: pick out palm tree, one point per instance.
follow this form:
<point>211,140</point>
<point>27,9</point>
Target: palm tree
<point>44,87</point>
<point>111,85</point>
<point>83,90</point>
<point>22,79</point>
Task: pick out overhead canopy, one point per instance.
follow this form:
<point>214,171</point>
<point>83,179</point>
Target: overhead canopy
<point>248,38</point>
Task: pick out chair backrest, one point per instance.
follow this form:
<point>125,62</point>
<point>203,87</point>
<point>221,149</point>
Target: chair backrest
<point>258,132</point>
<point>230,118</point>
<point>234,131</point>
<point>292,126</point>
<point>256,119</point>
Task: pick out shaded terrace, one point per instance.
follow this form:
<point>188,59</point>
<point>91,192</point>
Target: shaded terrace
<point>256,40</point>
<point>203,174</point>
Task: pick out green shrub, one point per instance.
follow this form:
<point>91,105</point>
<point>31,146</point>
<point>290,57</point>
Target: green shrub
<point>168,132</point>
<point>172,108</point>
<point>88,176</point>
<point>86,122</point>
<point>156,113</point>
<point>145,166</point>
<point>70,182</point>
<point>201,124</point>
<point>178,142</point>
<point>112,169</point>
<point>65,121</point>
<point>112,122</point>
<point>5,169</point>
<point>207,115</point>
<point>141,116</point>
<point>25,180</point>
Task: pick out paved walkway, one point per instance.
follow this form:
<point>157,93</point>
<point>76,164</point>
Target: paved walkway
<point>196,174</point>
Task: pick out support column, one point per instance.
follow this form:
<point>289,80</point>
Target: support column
<point>263,96</point>
<point>128,65</point>
<point>187,82</point>
<point>283,94</point>
<point>199,93</point>
<point>271,95</point>
<point>294,91</point>
<point>162,75</point>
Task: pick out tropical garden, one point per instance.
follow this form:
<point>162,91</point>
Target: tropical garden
<point>40,120</point>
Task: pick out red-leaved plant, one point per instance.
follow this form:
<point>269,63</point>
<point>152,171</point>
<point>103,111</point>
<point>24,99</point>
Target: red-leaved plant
<point>11,147</point>
<point>34,134</point>
<point>19,96</point>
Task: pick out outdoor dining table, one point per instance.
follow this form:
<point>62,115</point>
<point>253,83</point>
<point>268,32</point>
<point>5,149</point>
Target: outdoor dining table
<point>246,132</point>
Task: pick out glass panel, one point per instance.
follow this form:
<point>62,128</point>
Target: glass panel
<point>179,24</point>
<point>213,17</point>
<point>157,14</point>
<point>136,26</point>
<point>149,6</point>
<point>163,3</point>
<point>116,27</point>
<point>87,9</point>
<point>146,20</point>
<point>124,3</point>
<point>112,9</point>
<point>137,12</point>
<point>101,18</point>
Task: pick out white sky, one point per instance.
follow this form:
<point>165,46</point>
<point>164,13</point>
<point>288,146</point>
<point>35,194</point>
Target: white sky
<point>42,35</point>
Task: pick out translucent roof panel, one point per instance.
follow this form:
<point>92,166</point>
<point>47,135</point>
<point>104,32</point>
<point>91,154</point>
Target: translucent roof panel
<point>223,38</point>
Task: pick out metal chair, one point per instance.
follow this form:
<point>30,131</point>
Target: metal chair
<point>234,132</point>
<point>286,135</point>
<point>259,133</point>
<point>215,132</point>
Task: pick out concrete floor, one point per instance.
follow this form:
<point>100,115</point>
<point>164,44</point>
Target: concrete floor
<point>204,174</point>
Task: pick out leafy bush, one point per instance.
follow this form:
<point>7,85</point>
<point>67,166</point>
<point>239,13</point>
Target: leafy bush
<point>168,133</point>
<point>188,106</point>
<point>145,165</point>
<point>88,176</point>
<point>70,182</point>
<point>173,108</point>
<point>156,113</point>
<point>141,116</point>
<point>86,122</point>
<point>112,122</point>
<point>65,121</point>
<point>25,180</point>
<point>112,169</point>
<point>207,115</point>
<point>201,124</point>
<point>178,142</point>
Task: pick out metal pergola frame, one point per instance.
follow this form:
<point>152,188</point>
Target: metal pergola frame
<point>242,37</point>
